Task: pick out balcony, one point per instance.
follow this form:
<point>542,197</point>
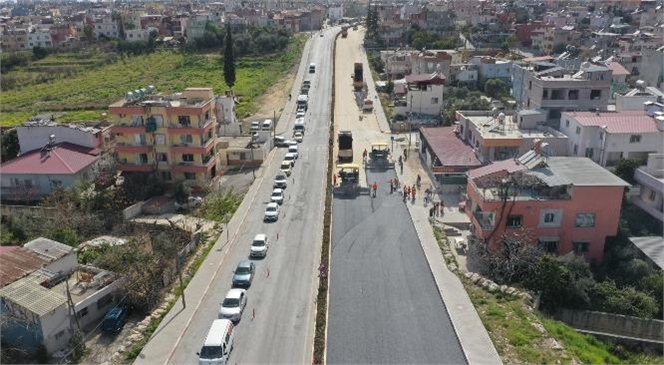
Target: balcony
<point>191,166</point>
<point>484,220</point>
<point>123,165</point>
<point>199,148</point>
<point>194,128</point>
<point>130,128</point>
<point>141,147</point>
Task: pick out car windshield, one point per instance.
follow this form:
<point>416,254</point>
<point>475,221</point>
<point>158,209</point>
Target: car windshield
<point>231,303</point>
<point>280,177</point>
<point>211,352</point>
<point>271,209</point>
<point>242,270</point>
<point>285,165</point>
<point>276,194</point>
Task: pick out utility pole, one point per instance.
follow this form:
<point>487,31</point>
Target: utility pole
<point>72,309</point>
<point>274,125</point>
<point>184,303</point>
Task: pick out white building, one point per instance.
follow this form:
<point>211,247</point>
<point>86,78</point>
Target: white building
<point>225,109</point>
<point>650,186</point>
<point>106,27</point>
<point>138,35</point>
<point>36,134</point>
<point>492,68</point>
<point>39,37</point>
<point>609,136</point>
<point>424,94</point>
<point>62,258</point>
<point>335,12</point>
<point>635,98</point>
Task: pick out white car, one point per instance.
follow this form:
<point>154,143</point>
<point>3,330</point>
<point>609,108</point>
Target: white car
<point>300,114</point>
<point>286,168</point>
<point>255,126</point>
<point>271,212</point>
<point>191,202</point>
<point>233,305</point>
<point>293,150</point>
<point>290,157</point>
<point>280,181</point>
<point>277,196</point>
<point>259,246</point>
<point>298,137</point>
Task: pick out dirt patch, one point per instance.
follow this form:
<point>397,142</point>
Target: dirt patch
<point>275,98</point>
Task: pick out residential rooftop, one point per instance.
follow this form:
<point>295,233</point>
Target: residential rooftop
<point>48,249</point>
<point>491,127</point>
<point>617,122</point>
<point>449,148</point>
<point>191,97</point>
<point>60,159</point>
<point>17,262</point>
<point>35,298</point>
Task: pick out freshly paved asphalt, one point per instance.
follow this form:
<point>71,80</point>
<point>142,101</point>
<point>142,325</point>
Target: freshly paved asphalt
<point>384,304</point>
<point>278,323</point>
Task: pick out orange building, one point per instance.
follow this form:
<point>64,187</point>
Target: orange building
<point>172,136</point>
<point>569,204</point>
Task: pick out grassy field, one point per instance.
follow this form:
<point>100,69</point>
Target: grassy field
<point>85,94</point>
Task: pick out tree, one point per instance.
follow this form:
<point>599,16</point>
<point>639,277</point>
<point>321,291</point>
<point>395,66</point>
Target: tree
<point>607,297</point>
<point>229,62</point>
<point>39,52</point>
<point>513,259</point>
<point>495,88</point>
<point>625,169</point>
<point>562,282</point>
<point>10,145</point>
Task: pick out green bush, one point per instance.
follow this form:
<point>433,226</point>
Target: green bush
<point>607,297</point>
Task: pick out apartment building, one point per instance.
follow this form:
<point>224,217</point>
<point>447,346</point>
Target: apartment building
<point>39,37</point>
<point>607,137</point>
<point>566,204</point>
<point>106,27</point>
<point>492,68</point>
<point>172,136</point>
<point>496,135</point>
<point>14,40</point>
<point>424,94</point>
<point>427,62</point>
<point>650,186</point>
<point>553,89</point>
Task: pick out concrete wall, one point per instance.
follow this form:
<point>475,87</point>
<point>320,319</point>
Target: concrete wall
<point>132,211</point>
<point>646,329</point>
<point>32,138</point>
<point>26,211</point>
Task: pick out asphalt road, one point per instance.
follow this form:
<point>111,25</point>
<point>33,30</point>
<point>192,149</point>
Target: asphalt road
<point>278,323</point>
<point>384,306</point>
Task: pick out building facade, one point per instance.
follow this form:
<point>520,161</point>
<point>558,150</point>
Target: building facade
<point>174,137</point>
<point>650,186</point>
<point>565,204</point>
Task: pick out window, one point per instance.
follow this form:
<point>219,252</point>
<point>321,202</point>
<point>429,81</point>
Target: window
<point>595,94</point>
<point>188,157</point>
<point>186,138</point>
<point>581,247</point>
<point>82,313</point>
<point>184,120</point>
<point>160,139</point>
<point>652,195</point>
<point>573,95</point>
<point>514,221</point>
<point>143,158</point>
<point>567,123</point>
<point>166,175</point>
<point>545,94</point>
<point>434,100</point>
<point>59,335</point>
<point>578,130</point>
<point>548,245</point>
<point>635,138</point>
<point>576,150</point>
<point>589,152</point>
<point>585,220</point>
<point>549,217</point>
<point>190,176</point>
<point>162,157</point>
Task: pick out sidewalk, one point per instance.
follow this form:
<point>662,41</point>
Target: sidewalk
<point>472,335</point>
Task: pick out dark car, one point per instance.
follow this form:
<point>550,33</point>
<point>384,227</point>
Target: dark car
<point>115,319</point>
<point>244,273</point>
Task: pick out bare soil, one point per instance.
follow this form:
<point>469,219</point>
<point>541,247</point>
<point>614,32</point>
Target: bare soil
<point>275,98</point>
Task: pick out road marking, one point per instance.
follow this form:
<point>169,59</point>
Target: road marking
<point>223,258</point>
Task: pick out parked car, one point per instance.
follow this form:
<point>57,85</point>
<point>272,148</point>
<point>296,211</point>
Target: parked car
<point>294,150</point>
<point>290,157</point>
<point>300,114</point>
<point>271,212</point>
<point>277,196</point>
<point>115,319</point>
<point>192,201</point>
<point>255,126</point>
<point>244,273</point>
<point>286,168</point>
<point>280,141</point>
<point>280,181</point>
<point>259,246</point>
<point>233,305</point>
<point>298,137</point>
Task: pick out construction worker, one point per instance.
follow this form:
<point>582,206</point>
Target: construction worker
<point>334,179</point>
<point>374,187</point>
<point>391,186</point>
<point>364,155</point>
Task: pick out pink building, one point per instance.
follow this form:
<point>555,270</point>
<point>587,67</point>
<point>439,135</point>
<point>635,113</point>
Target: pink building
<point>566,203</point>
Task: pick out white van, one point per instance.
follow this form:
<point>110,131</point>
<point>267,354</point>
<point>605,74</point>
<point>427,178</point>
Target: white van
<point>218,343</point>
<point>267,125</point>
<point>312,68</point>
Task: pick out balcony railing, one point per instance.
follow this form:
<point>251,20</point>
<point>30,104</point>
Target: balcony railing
<point>485,219</point>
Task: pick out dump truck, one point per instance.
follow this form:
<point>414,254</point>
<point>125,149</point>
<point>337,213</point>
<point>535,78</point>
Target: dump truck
<point>358,77</point>
<point>344,31</point>
<point>345,141</point>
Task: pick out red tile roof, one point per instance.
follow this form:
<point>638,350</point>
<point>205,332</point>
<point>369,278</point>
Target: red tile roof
<point>450,149</point>
<point>617,122</point>
<point>64,158</point>
<point>618,69</point>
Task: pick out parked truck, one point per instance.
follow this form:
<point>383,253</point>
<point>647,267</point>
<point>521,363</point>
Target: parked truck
<point>358,77</point>
<point>345,141</point>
